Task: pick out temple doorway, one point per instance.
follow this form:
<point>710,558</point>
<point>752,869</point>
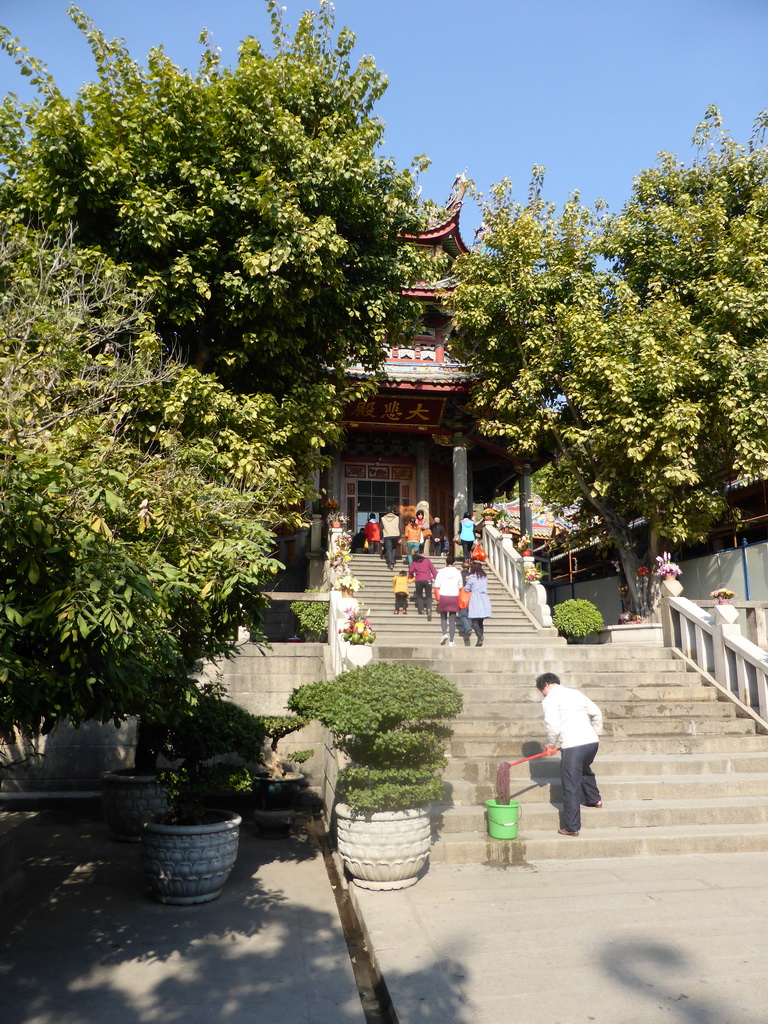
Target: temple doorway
<point>374,496</point>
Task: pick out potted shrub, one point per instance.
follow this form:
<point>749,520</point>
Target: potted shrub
<point>276,784</point>
<point>313,619</point>
<point>388,720</point>
<point>576,619</point>
<point>189,851</point>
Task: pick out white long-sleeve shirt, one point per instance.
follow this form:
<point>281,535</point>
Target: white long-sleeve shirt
<point>571,718</point>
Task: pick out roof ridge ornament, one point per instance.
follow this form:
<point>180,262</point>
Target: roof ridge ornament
<point>458,191</point>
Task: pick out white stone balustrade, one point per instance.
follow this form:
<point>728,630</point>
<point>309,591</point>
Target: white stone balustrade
<point>714,644</point>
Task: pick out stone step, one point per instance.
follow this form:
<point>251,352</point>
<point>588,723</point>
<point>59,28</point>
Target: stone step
<point>661,743</point>
<point>470,662</point>
<point>470,731</point>
<point>617,790</point>
<point>596,842</point>
<point>493,693</point>
<point>487,716</point>
<point>549,655</point>
<point>429,637</point>
<point>729,810</point>
<point>547,769</point>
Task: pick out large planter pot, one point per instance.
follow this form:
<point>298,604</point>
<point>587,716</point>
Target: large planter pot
<point>386,850</point>
<point>277,794</point>
<point>358,655</point>
<point>190,863</point>
<point>276,799</point>
<point>129,800</point>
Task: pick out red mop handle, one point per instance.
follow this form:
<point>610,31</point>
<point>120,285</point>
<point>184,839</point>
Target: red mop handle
<point>524,759</point>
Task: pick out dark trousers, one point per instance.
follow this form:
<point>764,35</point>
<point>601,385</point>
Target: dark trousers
<point>466,547</point>
<point>374,546</point>
<point>390,550</point>
<point>579,784</point>
<point>479,628</point>
<point>423,595</point>
<point>401,602</point>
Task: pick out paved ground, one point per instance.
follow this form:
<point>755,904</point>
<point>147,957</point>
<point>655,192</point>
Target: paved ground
<point>89,946</point>
<point>667,940</point>
<point>678,940</point>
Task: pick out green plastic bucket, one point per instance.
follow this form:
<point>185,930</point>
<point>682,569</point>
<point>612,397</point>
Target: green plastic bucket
<point>502,819</point>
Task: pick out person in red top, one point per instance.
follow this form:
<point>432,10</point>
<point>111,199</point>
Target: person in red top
<point>373,535</point>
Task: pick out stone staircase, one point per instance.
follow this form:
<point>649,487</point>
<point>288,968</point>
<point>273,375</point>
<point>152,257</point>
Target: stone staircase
<point>509,624</point>
<point>679,771</point>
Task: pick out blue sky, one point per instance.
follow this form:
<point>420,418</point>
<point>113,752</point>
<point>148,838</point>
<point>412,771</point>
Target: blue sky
<point>591,89</point>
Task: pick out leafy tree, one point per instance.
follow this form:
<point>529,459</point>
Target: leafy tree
<point>248,202</point>
<point>241,221</point>
<point>631,347</point>
<point>129,547</point>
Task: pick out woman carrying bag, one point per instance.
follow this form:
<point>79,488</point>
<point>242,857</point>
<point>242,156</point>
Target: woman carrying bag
<point>447,587</point>
<point>476,584</point>
<point>467,535</point>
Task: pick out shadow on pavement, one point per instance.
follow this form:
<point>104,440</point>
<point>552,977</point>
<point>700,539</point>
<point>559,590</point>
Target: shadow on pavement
<point>88,945</point>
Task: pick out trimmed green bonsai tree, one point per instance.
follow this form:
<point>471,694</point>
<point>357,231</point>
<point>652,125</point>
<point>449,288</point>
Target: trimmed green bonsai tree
<point>388,719</point>
<point>576,618</point>
<point>213,728</point>
<point>275,728</point>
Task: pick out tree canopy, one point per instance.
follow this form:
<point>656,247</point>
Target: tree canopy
<point>189,263</point>
<point>633,348</point>
<point>128,547</point>
<point>249,203</point>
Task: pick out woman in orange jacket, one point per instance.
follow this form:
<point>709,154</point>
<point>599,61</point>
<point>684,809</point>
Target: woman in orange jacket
<point>412,538</point>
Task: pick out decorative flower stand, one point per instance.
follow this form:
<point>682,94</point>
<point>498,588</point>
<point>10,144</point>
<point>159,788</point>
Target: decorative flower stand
<point>357,655</point>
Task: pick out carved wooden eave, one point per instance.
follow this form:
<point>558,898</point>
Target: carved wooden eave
<point>444,234</point>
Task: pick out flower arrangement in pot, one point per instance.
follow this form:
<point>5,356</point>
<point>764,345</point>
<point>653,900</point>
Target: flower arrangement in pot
<point>388,719</point>
<point>329,510</point>
<point>524,544</point>
<point>359,635</point>
<point>358,630</point>
<point>723,595</point>
<point>531,574</point>
<point>340,554</point>
<point>666,568</point>
<point>347,583</point>
<point>188,853</point>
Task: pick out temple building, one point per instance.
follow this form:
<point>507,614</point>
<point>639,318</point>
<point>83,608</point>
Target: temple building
<point>415,444</point>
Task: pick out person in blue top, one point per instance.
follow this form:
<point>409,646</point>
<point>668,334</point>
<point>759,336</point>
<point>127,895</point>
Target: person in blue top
<point>479,602</point>
<point>467,534</point>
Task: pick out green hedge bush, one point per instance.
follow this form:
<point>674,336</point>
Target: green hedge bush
<point>574,619</point>
<point>313,619</point>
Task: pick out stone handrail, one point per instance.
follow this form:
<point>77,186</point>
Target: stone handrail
<point>509,566</point>
<point>337,645</point>
<point>714,644</point>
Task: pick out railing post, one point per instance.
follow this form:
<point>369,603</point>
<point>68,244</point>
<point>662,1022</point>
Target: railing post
<point>725,624</point>
<point>669,588</point>
<point>315,534</point>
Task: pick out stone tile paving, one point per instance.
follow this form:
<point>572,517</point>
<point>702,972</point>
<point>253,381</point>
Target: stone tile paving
<point>89,946</point>
<point>678,940</point>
